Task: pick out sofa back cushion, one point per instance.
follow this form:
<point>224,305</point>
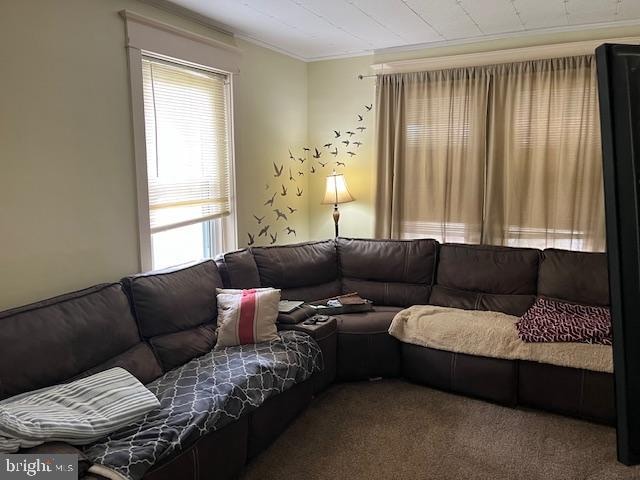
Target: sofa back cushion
<point>70,336</point>
<point>577,277</point>
<point>303,271</point>
<point>388,272</point>
<point>483,277</point>
<point>238,269</point>
<point>176,310</point>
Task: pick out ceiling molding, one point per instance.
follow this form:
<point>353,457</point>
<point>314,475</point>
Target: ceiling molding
<point>268,46</point>
<point>590,27</point>
<point>495,57</point>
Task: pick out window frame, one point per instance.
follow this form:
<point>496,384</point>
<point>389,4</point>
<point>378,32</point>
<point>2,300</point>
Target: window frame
<point>148,37</point>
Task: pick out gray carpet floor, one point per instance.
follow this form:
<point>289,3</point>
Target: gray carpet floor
<point>392,429</point>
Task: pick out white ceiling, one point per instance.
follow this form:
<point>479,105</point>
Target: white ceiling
<point>317,29</point>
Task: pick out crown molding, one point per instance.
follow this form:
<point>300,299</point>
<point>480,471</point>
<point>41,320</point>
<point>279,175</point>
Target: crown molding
<point>494,57</point>
<point>144,20</point>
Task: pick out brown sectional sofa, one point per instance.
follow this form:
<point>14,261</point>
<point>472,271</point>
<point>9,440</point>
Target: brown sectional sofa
<point>152,322</point>
<point>399,273</point>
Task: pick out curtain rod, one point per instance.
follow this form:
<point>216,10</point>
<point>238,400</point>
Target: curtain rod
<point>361,77</point>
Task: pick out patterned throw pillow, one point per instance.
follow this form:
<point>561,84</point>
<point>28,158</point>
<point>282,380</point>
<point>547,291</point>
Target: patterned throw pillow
<point>247,316</point>
<point>555,321</point>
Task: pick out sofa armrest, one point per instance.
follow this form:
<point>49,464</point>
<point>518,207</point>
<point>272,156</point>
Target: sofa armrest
<point>296,316</point>
<point>64,449</point>
<point>318,331</point>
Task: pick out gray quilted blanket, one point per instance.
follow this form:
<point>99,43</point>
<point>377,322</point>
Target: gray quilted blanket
<point>204,395</point>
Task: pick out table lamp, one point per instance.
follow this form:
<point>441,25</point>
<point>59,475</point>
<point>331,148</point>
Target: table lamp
<point>336,192</point>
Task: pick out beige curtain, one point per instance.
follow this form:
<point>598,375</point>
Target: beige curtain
<point>506,155</point>
<point>544,181</point>
<point>431,154</point>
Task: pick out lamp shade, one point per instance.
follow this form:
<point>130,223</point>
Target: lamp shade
<point>336,190</point>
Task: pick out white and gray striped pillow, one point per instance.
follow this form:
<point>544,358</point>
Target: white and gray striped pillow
<point>78,413</point>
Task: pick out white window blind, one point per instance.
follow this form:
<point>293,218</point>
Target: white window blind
<point>187,139</point>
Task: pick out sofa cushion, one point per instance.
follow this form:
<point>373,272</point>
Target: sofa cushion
<point>238,269</point>
<point>515,305</point>
<point>247,316</point>
<point>489,269</point>
<point>388,272</point>
<point>483,277</point>
<point>577,277</point>
<point>313,292</point>
<point>180,299</point>
<point>299,265</point>
<point>69,336</point>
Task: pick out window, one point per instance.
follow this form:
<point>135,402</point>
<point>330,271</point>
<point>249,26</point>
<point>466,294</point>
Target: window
<point>181,108</point>
<point>186,117</point>
<point>505,154</point>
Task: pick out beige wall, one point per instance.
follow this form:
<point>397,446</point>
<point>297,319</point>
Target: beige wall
<point>336,96</point>
<point>67,184</point>
<point>335,91</point>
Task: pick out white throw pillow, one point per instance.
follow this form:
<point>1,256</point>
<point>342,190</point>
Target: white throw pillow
<point>247,316</point>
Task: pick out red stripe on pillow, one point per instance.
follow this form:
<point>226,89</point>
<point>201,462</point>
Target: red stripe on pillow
<point>247,317</point>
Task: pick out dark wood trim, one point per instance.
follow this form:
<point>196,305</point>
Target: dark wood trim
<point>620,126</point>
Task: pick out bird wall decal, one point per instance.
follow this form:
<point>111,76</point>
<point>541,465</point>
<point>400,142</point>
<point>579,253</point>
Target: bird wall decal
<point>269,203</point>
<point>264,231</point>
<point>279,208</point>
<point>280,215</point>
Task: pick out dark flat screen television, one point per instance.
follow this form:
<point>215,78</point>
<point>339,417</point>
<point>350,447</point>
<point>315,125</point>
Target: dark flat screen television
<point>619,95</point>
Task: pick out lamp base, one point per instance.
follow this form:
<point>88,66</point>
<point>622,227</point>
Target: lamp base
<point>336,217</point>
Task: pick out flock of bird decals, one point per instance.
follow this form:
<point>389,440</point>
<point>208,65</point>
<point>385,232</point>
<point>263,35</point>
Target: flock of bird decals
<point>343,146</point>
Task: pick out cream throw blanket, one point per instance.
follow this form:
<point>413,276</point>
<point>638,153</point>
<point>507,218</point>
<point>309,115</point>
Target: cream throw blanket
<point>490,334</point>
